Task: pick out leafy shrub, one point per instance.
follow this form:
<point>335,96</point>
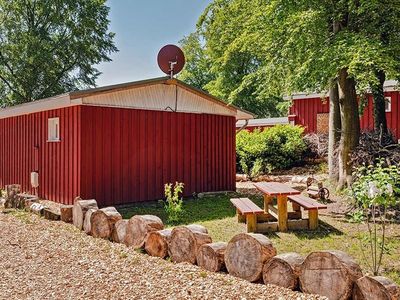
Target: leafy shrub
<point>173,204</point>
<point>278,147</point>
<point>374,191</point>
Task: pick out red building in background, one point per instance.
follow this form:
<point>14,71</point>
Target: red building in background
<point>312,111</point>
<point>120,144</point>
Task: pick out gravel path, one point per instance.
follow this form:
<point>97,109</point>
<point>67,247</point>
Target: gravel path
<point>40,259</point>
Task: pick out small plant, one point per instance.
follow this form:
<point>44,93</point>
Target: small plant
<point>203,274</point>
<point>374,192</point>
<point>174,202</point>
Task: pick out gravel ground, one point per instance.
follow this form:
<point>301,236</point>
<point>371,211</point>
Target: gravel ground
<point>40,259</point>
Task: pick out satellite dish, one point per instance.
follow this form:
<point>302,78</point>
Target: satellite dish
<point>171,60</point>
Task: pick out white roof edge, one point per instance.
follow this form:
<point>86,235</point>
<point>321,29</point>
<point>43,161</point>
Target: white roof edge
<point>264,122</point>
<point>389,86</point>
<point>64,100</point>
<point>56,102</point>
<point>243,115</point>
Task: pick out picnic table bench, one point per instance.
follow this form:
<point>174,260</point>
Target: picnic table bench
<point>308,204</point>
<point>248,210</point>
<point>284,193</point>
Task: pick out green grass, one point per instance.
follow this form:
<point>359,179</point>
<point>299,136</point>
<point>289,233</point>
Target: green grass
<point>217,214</point>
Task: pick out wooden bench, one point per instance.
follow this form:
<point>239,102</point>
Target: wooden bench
<point>247,210</point>
<point>308,204</point>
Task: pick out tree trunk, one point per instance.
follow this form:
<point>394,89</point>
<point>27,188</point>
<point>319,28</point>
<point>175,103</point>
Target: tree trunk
<point>87,223</point>
<point>335,127</point>
<point>329,273</point>
<point>103,222</point>
<point>157,243</point>
<point>375,288</point>
<point>380,123</point>
<point>184,244</point>
<point>283,270</point>
<point>211,256</point>
<point>138,227</point>
<point>119,232</point>
<point>350,120</point>
<point>80,209</point>
<point>246,254</point>
<point>12,192</point>
<point>66,213</point>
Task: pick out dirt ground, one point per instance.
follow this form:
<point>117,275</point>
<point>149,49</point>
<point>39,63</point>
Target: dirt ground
<point>41,259</point>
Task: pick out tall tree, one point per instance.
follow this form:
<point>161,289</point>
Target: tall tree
<point>48,47</point>
<point>381,22</point>
<point>197,70</point>
<point>298,50</point>
<point>230,64</point>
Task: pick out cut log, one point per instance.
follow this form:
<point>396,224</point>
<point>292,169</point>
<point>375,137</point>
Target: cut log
<point>246,254</point>
<point>300,179</point>
<point>103,222</point>
<point>79,210</point>
<point>157,243</point>
<point>119,231</point>
<point>138,228</point>
<point>66,213</point>
<point>375,288</point>
<point>211,256</point>
<point>50,214</point>
<point>12,192</point>
<point>25,201</point>
<point>197,227</point>
<point>283,270</point>
<point>329,273</point>
<point>87,224</point>
<point>184,244</point>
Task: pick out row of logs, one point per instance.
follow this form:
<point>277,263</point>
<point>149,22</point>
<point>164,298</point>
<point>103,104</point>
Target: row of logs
<point>249,256</point>
<point>16,199</point>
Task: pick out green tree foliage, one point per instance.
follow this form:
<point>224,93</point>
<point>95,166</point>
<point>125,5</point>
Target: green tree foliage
<point>197,68</point>
<point>229,62</point>
<point>48,47</point>
<point>280,47</point>
<point>382,24</point>
<point>278,147</point>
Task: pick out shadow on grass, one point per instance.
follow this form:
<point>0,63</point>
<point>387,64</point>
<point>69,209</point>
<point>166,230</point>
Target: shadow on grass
<point>324,230</point>
<point>217,207</point>
<point>195,210</point>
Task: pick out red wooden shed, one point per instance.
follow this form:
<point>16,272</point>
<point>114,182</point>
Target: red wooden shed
<point>312,111</point>
<point>120,144</point>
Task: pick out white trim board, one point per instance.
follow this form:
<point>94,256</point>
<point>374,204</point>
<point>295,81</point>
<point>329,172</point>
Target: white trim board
<point>155,94</point>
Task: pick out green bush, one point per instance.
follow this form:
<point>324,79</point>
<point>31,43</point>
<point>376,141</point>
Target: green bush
<point>260,152</point>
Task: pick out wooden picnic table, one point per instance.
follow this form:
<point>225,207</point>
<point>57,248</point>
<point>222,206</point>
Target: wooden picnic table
<point>281,192</point>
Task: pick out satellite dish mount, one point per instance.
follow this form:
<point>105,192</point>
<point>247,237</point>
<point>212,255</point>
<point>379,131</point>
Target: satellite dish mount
<point>171,60</point>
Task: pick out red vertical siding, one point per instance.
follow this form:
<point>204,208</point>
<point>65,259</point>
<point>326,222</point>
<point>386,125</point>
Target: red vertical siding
<point>24,148</point>
<point>141,150</point>
<point>306,110</point>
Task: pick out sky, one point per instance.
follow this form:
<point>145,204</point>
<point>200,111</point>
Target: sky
<point>142,28</point>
